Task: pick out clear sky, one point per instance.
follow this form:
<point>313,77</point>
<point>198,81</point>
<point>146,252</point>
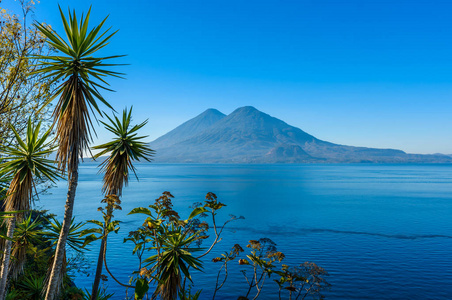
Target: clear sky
<point>362,73</point>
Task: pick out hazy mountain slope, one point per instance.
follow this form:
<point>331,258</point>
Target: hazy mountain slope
<point>188,129</point>
<point>246,135</point>
<point>247,124</point>
<point>287,154</point>
<point>250,136</point>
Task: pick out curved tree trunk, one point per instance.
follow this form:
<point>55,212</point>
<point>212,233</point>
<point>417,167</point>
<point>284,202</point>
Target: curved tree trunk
<point>99,269</point>
<point>55,275</point>
<point>6,258</point>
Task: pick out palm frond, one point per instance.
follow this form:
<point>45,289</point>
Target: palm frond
<point>27,235</point>
<point>125,148</point>
<point>74,239</point>
<point>82,75</point>
<point>24,162</point>
<point>174,260</point>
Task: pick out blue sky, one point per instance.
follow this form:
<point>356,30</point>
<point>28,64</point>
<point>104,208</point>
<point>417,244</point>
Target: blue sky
<point>362,73</point>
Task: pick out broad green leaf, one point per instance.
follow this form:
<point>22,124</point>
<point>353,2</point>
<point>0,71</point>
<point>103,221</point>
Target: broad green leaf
<point>197,211</point>
<point>141,288</point>
<point>140,210</point>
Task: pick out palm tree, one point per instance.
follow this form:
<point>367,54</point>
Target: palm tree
<point>23,163</point>
<point>174,260</point>
<point>125,148</point>
<point>82,75</point>
<point>28,236</point>
<point>171,237</point>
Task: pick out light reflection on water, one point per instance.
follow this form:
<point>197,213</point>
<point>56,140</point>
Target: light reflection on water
<point>381,231</point>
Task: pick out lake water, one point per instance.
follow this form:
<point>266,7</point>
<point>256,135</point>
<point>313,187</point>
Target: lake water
<point>381,231</point>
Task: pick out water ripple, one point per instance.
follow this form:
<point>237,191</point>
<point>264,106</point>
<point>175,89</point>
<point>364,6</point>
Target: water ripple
<point>290,231</point>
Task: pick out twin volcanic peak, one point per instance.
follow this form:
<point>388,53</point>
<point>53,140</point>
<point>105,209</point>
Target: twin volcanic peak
<point>189,129</point>
<point>248,135</point>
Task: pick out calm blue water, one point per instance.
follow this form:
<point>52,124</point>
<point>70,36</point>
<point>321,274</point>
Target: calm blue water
<point>381,231</point>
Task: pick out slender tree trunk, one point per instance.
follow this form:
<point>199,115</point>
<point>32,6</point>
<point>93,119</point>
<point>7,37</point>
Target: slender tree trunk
<point>54,283</point>
<point>101,252</point>
<point>6,258</point>
<point>99,269</point>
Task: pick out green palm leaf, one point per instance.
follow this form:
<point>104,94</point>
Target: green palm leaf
<point>74,239</point>
<point>28,159</point>
<point>125,148</point>
<point>27,236</point>
<point>81,75</point>
<point>23,164</point>
<point>174,260</point>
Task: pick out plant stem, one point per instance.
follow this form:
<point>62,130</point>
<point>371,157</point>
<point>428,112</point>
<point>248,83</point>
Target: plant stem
<point>6,257</point>
<point>106,268</point>
<point>99,268</point>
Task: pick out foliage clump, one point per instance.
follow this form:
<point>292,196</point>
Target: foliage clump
<point>169,247</point>
<point>22,91</point>
<point>33,250</point>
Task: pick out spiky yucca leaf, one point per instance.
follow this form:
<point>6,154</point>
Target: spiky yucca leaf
<point>82,75</point>
<point>4,182</point>
<point>74,240</point>
<point>22,164</point>
<point>174,261</point>
<point>27,235</point>
<point>125,148</point>
<point>32,287</point>
<point>28,159</point>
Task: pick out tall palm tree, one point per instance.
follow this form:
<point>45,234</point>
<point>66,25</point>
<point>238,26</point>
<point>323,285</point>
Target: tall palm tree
<point>23,163</point>
<point>82,75</point>
<point>125,148</point>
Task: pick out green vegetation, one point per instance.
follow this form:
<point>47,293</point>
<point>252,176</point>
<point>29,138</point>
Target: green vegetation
<point>169,248</point>
<point>33,249</point>
<point>124,149</point>
<point>77,94</point>
<point>23,164</point>
<point>22,91</point>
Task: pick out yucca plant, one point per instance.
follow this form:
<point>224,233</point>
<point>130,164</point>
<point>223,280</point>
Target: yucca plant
<point>101,295</point>
<point>31,288</point>
<point>74,241</point>
<point>174,260</point>
<point>81,75</point>
<point>27,237</point>
<point>125,148</point>
<point>23,163</point>
<point>13,295</point>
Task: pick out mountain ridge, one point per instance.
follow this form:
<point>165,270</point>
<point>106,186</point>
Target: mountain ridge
<point>248,135</point>
<point>189,128</point>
